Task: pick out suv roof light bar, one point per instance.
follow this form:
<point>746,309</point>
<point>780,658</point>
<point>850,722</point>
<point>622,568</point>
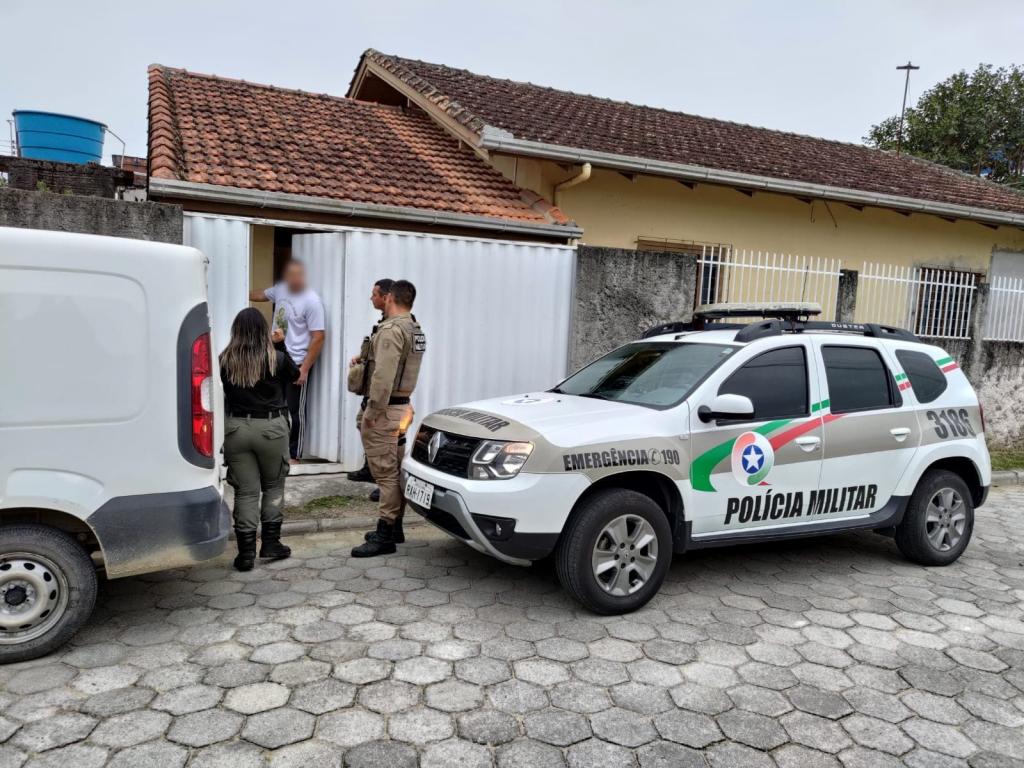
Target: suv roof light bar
<point>786,310</point>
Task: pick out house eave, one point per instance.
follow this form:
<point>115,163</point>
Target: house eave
<point>496,140</point>
<point>191,190</point>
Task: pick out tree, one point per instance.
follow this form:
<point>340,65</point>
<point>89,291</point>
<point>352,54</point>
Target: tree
<point>973,122</point>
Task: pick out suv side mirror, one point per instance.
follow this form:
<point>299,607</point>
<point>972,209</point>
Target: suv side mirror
<point>727,407</point>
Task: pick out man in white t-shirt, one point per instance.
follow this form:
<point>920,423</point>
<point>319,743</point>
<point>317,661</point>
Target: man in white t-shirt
<point>299,324</point>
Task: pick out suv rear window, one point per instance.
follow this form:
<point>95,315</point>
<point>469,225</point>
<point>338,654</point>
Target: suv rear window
<point>925,377</point>
<point>858,380</point>
<point>775,382</point>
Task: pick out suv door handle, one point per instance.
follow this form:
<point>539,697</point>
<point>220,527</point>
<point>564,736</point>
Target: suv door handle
<point>900,433</point>
<point>808,444</point>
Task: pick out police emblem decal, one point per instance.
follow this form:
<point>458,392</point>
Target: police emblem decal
<point>752,458</point>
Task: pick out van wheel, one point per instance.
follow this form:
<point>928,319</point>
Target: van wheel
<point>616,552</point>
<point>47,590</point>
<point>939,520</point>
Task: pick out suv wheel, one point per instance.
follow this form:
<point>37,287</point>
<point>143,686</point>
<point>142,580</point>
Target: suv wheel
<point>939,520</point>
<point>616,551</point>
<point>47,590</point>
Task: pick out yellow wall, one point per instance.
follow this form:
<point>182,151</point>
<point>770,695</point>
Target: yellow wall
<point>614,211</point>
<point>261,265</point>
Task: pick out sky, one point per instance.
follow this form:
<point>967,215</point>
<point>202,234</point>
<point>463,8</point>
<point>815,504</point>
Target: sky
<point>824,67</point>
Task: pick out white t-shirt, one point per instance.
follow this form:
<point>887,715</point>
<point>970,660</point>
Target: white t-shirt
<point>298,314</point>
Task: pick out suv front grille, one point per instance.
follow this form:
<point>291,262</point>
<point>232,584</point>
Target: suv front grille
<point>453,454</point>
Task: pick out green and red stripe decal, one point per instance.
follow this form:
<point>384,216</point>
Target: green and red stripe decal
<point>704,465</point>
<point>946,364</point>
<point>902,381</point>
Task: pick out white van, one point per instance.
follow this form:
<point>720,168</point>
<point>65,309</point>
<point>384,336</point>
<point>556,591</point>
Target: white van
<point>110,425</point>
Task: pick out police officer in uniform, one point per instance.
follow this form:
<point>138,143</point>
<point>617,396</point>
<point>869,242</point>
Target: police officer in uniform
<point>392,370</point>
<point>377,297</point>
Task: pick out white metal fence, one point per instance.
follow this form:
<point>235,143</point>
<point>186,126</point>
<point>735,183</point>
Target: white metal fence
<point>727,275</point>
<point>929,302</point>
<point>1004,319</point>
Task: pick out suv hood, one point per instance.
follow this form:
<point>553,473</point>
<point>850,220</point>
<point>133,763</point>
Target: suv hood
<point>560,419</point>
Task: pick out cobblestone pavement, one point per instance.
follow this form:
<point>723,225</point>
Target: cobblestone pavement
<point>813,653</point>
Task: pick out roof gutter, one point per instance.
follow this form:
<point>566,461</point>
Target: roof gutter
<point>501,141</point>
<point>191,190</point>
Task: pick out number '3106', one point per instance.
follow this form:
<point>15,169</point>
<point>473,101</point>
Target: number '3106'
<point>951,423</point>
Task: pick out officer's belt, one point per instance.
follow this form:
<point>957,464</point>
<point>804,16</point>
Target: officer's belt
<point>398,401</point>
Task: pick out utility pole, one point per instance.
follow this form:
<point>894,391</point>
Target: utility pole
<point>906,87</point>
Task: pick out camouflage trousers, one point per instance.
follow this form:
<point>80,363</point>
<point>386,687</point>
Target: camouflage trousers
<point>385,449</point>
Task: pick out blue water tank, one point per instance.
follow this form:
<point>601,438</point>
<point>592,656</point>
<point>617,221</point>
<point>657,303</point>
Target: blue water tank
<point>64,138</point>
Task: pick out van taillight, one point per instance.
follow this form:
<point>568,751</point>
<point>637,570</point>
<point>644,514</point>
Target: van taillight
<point>202,395</point>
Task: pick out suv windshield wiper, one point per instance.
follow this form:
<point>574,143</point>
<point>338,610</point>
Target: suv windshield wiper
<point>594,395</point>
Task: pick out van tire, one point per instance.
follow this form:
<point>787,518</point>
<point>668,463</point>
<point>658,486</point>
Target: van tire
<point>75,568</point>
<point>912,534</point>
<point>574,557</point>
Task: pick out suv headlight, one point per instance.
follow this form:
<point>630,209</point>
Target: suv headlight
<point>498,460</point>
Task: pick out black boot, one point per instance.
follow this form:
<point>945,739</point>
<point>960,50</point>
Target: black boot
<point>270,543</point>
<point>383,542</point>
<point>375,495</point>
<point>361,476</point>
<point>246,550</point>
<point>399,534</point>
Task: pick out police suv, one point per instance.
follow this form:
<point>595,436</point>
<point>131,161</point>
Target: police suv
<point>709,433</point>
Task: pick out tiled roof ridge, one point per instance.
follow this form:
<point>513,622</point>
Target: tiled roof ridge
<point>963,175</point>
<point>166,154</point>
<point>274,88</point>
<point>400,62</point>
<point>423,86</point>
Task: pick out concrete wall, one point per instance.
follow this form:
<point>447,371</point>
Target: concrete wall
<point>621,293</point>
<point>999,379</point>
<point>90,215</point>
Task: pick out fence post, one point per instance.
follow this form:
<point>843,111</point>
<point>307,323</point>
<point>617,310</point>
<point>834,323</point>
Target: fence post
<point>976,341</point>
<point>846,296</point>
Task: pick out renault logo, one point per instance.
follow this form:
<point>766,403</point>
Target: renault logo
<point>436,443</point>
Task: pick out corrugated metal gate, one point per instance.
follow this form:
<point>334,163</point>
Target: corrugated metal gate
<point>226,243</point>
<point>496,315</point>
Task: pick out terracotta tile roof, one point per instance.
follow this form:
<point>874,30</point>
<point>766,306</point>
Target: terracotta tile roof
<point>539,114</point>
<point>233,133</point>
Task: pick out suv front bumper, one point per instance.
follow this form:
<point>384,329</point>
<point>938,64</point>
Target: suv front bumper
<point>529,509</point>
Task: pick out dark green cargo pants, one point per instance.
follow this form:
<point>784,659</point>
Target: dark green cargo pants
<point>256,453</point>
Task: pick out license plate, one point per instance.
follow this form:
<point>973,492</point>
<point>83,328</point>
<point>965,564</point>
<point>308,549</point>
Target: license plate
<point>419,492</point>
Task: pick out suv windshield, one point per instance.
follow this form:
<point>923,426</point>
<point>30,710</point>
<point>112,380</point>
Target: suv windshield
<point>658,374</point>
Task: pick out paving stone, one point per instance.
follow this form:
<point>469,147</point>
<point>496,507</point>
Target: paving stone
<point>665,754</point>
<point>623,727</point>
<point>76,755</point>
<point>930,706</point>
<point>130,729</point>
<point>200,729</point>
<point>877,734</point>
<point>100,679</point>
<point>351,727</point>
<point>751,729</point>
<point>422,670</point>
<point>362,671</point>
<point>556,727</point>
<point>239,754</point>
<point>258,697</point>
<point>799,756</point>
<point>938,737</point>
<point>155,754</point>
<point>381,754</point>
<point>580,697</point>
<point>700,698</point>
<point>488,726</point>
<point>189,698</point>
<point>420,726</point>
<point>732,755</point>
<point>278,727</point>
<point>454,696</point>
<point>53,732</point>
<point>816,732</point>
<point>514,696</point>
<point>530,754</point>
<point>237,673</point>
<point>637,697</point>
<point>116,702</point>
<point>542,672</point>
<point>482,670</point>
<point>688,728</point>
<point>595,752</point>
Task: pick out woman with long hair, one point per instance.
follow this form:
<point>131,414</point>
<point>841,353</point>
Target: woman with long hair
<point>256,435</point>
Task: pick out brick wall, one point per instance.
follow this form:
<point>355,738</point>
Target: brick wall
<point>65,178</point>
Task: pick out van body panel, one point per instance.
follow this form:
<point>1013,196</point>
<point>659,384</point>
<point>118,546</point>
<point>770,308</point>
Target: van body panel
<point>89,406</point>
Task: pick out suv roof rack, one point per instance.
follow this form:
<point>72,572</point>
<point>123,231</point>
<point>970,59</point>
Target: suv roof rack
<point>688,326</point>
<point>765,328</point>
<point>786,310</point>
